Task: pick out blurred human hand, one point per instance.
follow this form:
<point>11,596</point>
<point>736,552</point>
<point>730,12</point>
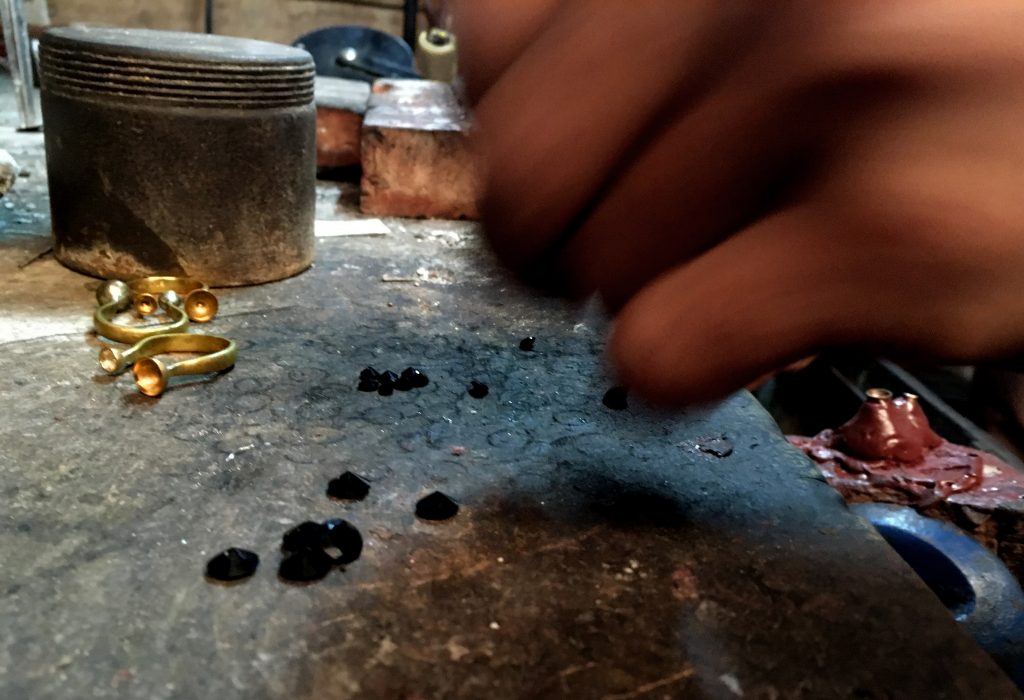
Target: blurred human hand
<point>748,183</point>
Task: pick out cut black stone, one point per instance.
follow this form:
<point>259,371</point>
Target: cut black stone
<point>368,373</point>
<point>436,506</point>
<point>403,384</point>
<point>526,344</point>
<point>307,535</point>
<point>305,565</point>
<point>615,398</point>
<point>368,385</point>
<point>415,378</point>
<point>232,564</point>
<point>386,389</point>
<point>477,390</point>
<point>387,378</point>
<point>344,537</point>
<point>348,487</point>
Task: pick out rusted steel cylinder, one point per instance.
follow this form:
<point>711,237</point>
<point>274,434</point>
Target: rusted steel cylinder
<point>179,154</point>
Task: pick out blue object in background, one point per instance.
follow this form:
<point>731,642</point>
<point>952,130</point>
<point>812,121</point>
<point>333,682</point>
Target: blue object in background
<point>971,581</point>
<point>358,53</point>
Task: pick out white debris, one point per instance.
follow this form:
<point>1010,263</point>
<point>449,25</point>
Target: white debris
<point>8,171</point>
<point>732,683</point>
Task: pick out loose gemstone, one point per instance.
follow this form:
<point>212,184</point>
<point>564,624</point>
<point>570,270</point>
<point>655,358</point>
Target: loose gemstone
<point>307,535</point>
<point>615,398</point>
<point>526,344</point>
<point>436,506</point>
<point>232,564</point>
<point>348,487</point>
<point>305,565</point>
<point>368,385</point>
<point>368,373</point>
<point>477,390</point>
<point>415,377</point>
<point>345,538</point>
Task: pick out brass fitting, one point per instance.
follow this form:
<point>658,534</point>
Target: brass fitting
<point>200,303</point>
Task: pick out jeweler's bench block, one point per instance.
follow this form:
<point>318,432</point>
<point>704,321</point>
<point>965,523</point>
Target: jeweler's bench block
<point>340,106</point>
<point>415,153</point>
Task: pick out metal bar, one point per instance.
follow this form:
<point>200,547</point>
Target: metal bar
<point>19,57</point>
<point>208,17</point>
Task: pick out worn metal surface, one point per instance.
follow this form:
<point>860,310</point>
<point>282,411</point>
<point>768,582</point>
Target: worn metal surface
<point>598,554</point>
<point>179,154</point>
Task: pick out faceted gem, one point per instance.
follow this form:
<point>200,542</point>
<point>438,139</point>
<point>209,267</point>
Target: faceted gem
<point>415,378</point>
<point>232,564</point>
<point>436,506</point>
<point>526,344</point>
<point>307,535</point>
<point>402,384</point>
<point>387,378</point>
<point>305,565</point>
<point>368,373</point>
<point>368,385</point>
<point>386,389</point>
<point>348,487</point>
<point>615,398</point>
<point>344,537</point>
<point>477,390</point>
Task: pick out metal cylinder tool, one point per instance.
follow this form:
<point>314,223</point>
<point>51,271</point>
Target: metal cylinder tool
<point>179,154</point>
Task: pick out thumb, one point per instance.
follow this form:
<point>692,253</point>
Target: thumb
<point>754,303</point>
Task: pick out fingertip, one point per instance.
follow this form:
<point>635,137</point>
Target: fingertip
<point>658,362</point>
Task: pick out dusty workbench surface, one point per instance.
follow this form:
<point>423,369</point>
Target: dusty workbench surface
<point>598,553</point>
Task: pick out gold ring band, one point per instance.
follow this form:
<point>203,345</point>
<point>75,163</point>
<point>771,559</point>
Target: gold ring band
<point>151,374</point>
<point>105,326</point>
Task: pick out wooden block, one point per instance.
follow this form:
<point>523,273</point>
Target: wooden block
<point>340,106</point>
<point>415,152</point>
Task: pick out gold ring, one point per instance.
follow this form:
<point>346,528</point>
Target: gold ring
<point>151,374</point>
<point>114,297</point>
<point>200,303</point>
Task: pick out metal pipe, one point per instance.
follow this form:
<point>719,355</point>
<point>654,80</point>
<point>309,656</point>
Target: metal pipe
<point>19,57</point>
<point>208,17</point>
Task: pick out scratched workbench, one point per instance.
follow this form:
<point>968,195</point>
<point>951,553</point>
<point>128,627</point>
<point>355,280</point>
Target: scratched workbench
<point>598,553</point>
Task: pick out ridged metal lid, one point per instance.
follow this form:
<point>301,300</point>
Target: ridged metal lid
<point>150,65</point>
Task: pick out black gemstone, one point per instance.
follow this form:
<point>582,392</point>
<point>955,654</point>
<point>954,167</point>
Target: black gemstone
<point>344,537</point>
<point>477,390</point>
<point>348,487</point>
<point>403,384</point>
<point>526,344</point>
<point>615,398</point>
<point>387,378</point>
<point>368,385</point>
<point>436,506</point>
<point>386,389</point>
<point>307,535</point>
<point>368,373</point>
<point>416,378</point>
<point>232,564</point>
<point>305,565</point>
